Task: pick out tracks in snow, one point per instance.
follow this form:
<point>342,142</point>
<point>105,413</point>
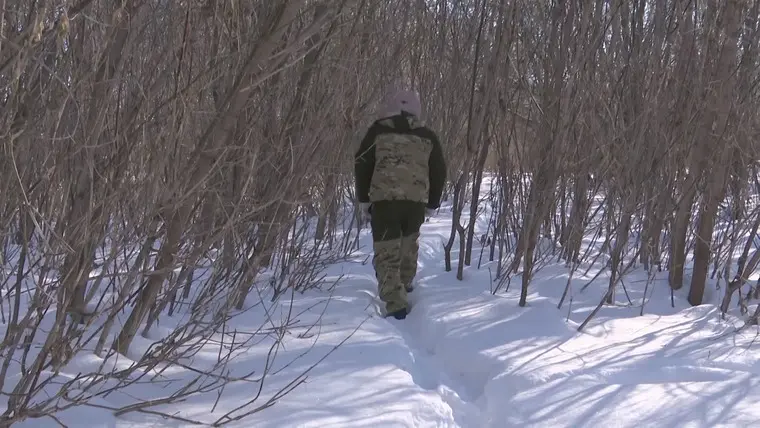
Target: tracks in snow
<point>432,373</point>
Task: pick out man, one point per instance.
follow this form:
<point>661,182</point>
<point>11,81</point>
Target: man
<point>400,174</point>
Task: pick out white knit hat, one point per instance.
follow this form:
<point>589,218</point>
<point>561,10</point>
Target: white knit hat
<point>408,101</point>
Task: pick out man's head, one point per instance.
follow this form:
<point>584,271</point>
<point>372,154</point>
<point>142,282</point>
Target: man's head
<point>408,101</point>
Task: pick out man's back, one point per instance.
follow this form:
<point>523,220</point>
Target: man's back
<point>402,153</point>
<point>400,159</point>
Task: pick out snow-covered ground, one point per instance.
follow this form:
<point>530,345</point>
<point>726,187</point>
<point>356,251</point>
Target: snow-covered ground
<point>467,358</point>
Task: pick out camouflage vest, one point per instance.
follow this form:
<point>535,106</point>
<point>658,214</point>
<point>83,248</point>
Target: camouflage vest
<point>401,164</point>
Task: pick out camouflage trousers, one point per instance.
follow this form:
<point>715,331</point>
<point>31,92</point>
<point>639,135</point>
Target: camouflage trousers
<point>395,233</point>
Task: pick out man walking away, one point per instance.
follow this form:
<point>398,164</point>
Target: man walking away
<point>400,174</point>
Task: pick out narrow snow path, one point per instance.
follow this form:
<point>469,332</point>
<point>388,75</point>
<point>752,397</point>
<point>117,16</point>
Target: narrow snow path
<point>457,373</point>
<point>428,371</point>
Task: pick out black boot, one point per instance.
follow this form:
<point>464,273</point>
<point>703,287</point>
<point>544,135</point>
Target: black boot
<point>399,314</point>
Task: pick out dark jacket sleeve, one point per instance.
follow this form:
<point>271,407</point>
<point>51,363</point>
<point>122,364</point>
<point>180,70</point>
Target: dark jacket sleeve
<point>364,164</point>
<point>437,173</point>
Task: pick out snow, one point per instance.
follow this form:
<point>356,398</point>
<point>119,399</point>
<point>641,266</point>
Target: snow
<point>465,357</point>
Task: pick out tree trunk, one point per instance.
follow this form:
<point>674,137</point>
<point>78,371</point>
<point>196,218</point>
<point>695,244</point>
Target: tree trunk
<point>475,202</point>
<point>716,183</point>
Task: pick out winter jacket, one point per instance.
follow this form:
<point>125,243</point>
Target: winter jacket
<point>400,159</point>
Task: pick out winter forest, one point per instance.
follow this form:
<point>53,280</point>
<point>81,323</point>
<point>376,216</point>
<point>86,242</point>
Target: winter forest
<point>180,245</point>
